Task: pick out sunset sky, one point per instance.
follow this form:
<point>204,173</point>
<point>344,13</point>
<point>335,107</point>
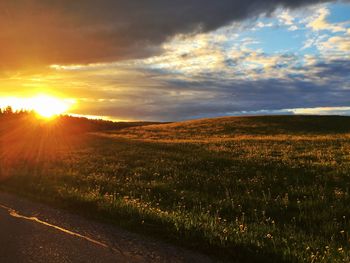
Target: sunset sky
<point>174,60</point>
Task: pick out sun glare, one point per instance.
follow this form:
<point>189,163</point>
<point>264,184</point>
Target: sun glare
<point>49,107</point>
<point>45,106</point>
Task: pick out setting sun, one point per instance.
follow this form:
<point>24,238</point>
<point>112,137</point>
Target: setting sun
<point>44,105</point>
<point>49,107</point>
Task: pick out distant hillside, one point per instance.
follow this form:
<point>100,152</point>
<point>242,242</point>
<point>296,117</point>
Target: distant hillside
<point>23,134</point>
<point>28,121</point>
<point>238,126</point>
<point>89,125</point>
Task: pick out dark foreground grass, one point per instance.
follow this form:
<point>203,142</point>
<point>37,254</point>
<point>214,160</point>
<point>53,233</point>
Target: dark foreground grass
<point>268,189</point>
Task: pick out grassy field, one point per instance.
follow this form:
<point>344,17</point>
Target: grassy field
<point>247,189</point>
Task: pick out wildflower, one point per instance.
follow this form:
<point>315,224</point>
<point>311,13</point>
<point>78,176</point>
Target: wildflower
<point>242,228</point>
<point>269,236</point>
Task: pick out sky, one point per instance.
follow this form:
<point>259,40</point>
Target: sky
<point>174,60</point>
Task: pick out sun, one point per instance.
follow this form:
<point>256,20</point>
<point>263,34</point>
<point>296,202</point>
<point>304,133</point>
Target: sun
<point>48,107</point>
<point>45,106</point>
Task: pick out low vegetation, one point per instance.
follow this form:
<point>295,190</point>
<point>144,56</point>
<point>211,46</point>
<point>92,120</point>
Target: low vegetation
<point>251,189</point>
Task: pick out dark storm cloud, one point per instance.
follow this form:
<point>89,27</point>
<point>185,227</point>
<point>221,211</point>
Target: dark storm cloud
<point>338,68</point>
<point>41,32</point>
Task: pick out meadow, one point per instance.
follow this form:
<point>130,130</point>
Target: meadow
<point>241,189</point>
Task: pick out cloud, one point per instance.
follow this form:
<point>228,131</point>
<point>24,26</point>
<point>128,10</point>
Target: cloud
<point>211,54</point>
<point>319,22</point>
<point>334,46</point>
<point>134,91</point>
<point>287,19</point>
<point>154,94</point>
<point>338,43</point>
<point>334,69</point>
<point>40,32</point>
<point>263,25</point>
<point>323,111</point>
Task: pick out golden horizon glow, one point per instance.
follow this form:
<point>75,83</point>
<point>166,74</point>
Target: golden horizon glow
<point>44,106</point>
